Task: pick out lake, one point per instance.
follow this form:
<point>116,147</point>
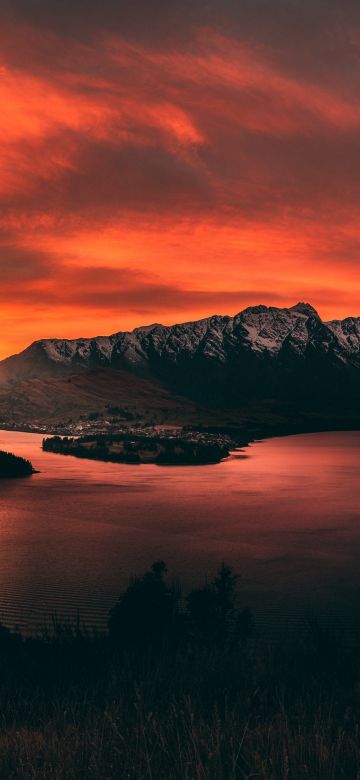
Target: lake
<point>284,512</point>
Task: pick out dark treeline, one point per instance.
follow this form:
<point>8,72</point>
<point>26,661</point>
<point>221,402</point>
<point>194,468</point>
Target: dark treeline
<point>14,466</point>
<point>151,609</point>
<point>177,689</point>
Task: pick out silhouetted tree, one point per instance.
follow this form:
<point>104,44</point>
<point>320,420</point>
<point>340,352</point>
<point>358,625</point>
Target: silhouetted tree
<point>243,624</point>
<point>202,607</point>
<point>224,586</point>
<point>212,608</point>
<point>148,608</point>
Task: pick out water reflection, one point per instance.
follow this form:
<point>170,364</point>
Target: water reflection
<point>284,512</point>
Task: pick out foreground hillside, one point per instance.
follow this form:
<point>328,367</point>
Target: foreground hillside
<point>177,689</point>
<point>220,370</point>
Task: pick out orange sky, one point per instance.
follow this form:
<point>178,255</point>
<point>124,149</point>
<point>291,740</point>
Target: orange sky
<point>163,163</point>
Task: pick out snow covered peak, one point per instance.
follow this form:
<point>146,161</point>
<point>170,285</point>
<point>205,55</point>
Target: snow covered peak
<point>305,308</point>
<point>74,351</point>
<point>147,328</point>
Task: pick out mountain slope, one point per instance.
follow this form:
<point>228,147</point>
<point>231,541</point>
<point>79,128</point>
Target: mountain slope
<point>98,394</point>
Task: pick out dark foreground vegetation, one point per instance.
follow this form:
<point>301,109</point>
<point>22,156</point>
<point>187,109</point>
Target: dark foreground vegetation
<point>177,689</point>
<point>178,449</point>
<point>14,466</point>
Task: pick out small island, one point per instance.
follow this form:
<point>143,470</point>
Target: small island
<point>14,466</point>
<point>162,449</point>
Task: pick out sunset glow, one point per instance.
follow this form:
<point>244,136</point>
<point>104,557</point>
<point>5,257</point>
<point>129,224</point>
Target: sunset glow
<point>172,170</point>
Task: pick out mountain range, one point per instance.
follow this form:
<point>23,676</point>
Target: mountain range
<point>261,356</point>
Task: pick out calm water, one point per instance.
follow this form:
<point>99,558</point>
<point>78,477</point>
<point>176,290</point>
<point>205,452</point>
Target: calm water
<point>284,512</point>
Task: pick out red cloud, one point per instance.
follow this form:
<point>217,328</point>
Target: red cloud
<point>200,167</point>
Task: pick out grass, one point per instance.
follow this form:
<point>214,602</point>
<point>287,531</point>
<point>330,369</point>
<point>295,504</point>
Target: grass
<point>159,714</point>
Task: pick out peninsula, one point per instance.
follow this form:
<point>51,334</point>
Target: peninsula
<point>179,448</point>
<point>14,466</point>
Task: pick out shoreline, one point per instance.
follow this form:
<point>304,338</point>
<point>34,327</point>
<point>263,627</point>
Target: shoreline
<point>167,446</point>
<point>256,429</point>
<point>257,433</point>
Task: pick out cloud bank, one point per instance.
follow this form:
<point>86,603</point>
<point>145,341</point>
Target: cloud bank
<point>160,160</point>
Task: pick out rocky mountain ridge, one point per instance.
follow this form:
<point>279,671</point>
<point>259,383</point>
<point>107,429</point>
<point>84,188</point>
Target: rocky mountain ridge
<point>260,352</point>
<point>261,329</point>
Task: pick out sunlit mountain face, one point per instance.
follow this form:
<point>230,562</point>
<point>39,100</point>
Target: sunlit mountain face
<point>162,161</point>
